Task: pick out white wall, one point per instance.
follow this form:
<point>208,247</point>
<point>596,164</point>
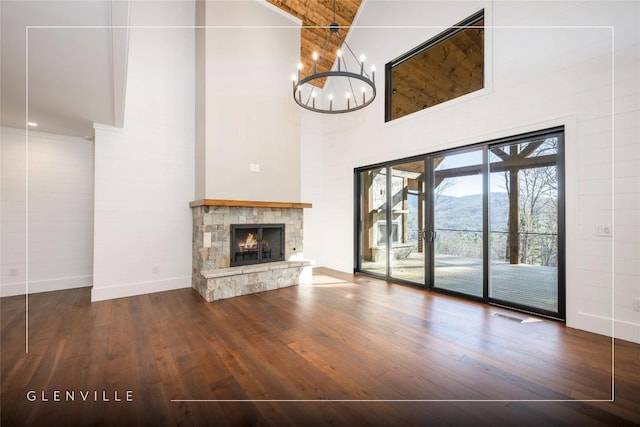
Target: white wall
<point>47,226</point>
<point>144,172</point>
<point>535,78</point>
<point>249,118</point>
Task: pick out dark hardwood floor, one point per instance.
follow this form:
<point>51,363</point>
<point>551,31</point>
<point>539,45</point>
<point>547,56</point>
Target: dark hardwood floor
<point>348,350</point>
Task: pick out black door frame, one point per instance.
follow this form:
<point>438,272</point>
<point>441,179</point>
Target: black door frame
<point>428,225</point>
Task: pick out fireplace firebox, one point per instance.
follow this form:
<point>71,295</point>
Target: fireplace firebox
<point>256,243</point>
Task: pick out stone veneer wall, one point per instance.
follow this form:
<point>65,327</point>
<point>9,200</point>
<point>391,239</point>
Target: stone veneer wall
<point>212,275</point>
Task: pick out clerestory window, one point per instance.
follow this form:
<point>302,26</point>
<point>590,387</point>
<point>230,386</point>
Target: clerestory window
<point>445,67</point>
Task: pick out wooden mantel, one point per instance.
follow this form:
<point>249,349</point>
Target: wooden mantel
<point>248,204</point>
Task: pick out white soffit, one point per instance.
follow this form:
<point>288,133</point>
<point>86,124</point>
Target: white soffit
<point>76,76</point>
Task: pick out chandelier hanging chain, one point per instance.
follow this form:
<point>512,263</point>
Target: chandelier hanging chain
<point>324,49</point>
<point>335,25</point>
<point>355,100</point>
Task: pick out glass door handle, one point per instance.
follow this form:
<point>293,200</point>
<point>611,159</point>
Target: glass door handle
<point>423,235</point>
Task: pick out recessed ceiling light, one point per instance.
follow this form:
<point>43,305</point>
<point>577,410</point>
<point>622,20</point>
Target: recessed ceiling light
<point>32,124</point>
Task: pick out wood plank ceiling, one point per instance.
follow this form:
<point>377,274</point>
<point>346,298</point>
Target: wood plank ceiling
<point>447,70</point>
<point>316,16</point>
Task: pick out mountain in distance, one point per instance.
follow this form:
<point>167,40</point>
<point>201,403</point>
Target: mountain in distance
<point>465,213</point>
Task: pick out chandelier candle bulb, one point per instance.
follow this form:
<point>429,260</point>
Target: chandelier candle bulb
<point>339,56</point>
<point>315,62</point>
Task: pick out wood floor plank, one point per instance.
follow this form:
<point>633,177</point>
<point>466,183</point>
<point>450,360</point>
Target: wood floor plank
<point>347,350</point>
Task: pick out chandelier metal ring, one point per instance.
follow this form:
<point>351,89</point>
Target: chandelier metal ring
<point>362,77</point>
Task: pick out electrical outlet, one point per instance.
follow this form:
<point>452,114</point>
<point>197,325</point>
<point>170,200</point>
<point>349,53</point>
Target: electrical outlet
<point>604,230</point>
<point>155,269</point>
<point>636,304</point>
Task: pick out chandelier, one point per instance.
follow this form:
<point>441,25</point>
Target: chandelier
<point>348,80</point>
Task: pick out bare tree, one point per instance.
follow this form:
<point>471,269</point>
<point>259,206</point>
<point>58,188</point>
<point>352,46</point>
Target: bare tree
<point>539,210</point>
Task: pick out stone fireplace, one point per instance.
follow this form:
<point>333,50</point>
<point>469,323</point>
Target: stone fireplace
<point>227,262</point>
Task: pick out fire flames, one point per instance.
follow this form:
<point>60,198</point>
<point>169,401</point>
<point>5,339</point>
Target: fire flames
<point>250,243</point>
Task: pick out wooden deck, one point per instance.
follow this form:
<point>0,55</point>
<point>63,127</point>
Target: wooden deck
<point>533,285</point>
<point>347,350</point>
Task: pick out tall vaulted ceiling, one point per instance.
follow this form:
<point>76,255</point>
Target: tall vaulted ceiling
<point>77,76</point>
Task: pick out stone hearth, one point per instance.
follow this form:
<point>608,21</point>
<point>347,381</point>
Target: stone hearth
<point>212,275</point>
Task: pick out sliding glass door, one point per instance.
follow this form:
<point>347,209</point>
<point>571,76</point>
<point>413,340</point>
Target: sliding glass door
<point>373,255</point>
<point>525,223</point>
<point>407,250</point>
<point>457,196</point>
<point>391,222</point>
<point>484,222</point>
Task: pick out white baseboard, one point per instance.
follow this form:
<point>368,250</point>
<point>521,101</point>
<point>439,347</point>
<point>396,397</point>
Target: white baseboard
<point>139,288</point>
<point>621,329</point>
<point>37,286</point>
<point>628,331</point>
